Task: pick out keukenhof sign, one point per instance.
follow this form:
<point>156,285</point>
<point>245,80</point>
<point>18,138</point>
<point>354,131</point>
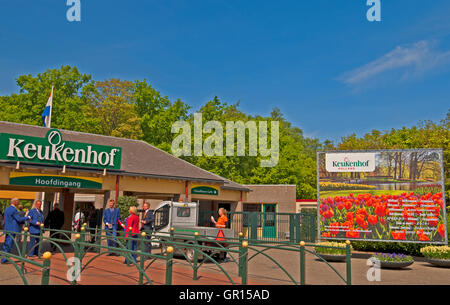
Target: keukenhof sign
<point>54,150</point>
<point>350,162</point>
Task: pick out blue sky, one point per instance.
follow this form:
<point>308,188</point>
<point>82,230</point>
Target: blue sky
<point>329,70</point>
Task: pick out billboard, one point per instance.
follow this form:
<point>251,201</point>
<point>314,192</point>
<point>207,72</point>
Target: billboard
<point>382,195</point>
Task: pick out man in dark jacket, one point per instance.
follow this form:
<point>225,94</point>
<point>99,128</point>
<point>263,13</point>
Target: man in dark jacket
<point>147,225</point>
<point>12,224</point>
<point>55,221</point>
<point>92,221</point>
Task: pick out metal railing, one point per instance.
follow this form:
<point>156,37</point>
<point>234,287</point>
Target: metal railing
<point>196,249</point>
<point>268,226</point>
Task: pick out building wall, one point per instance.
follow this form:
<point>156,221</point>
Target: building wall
<point>282,195</point>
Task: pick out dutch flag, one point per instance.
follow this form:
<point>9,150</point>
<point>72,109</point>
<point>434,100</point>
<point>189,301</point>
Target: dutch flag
<point>47,113</point>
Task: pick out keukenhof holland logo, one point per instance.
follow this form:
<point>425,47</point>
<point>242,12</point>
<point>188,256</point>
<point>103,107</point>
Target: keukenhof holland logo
<point>350,162</point>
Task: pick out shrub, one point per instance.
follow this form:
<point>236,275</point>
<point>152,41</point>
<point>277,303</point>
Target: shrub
<point>439,252</point>
<point>124,203</point>
<point>332,248</point>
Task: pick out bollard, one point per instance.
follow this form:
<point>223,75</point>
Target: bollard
<point>348,256</point>
<point>46,268</point>
<point>41,233</point>
<point>169,257</point>
<point>76,253</point>
<point>241,237</point>
<point>82,239</point>
<point>195,263</point>
<point>142,258</point>
<point>98,240</point>
<point>128,243</point>
<point>24,247</point>
<point>245,262</point>
<point>302,263</point>
<point>172,232</point>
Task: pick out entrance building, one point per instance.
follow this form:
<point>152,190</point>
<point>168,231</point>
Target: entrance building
<point>97,168</point>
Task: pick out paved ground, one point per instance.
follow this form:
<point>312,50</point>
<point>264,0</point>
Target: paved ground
<point>112,271</point>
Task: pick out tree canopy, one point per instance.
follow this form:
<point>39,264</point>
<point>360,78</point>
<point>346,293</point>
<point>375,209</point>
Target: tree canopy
<point>136,110</point>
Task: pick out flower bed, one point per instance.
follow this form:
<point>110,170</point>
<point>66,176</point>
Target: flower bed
<point>393,260</point>
<point>437,255</point>
<point>335,254</point>
<point>338,248</point>
<point>437,252</point>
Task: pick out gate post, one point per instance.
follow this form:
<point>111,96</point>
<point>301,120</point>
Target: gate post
<point>297,227</point>
<point>240,259</point>
<point>195,263</point>
<point>312,228</point>
<point>41,233</point>
<point>348,255</point>
<point>24,246</point>
<point>169,257</point>
<point>292,227</point>
<point>46,268</point>
<point>142,258</point>
<point>253,217</point>
<point>302,263</point>
<point>244,254</point>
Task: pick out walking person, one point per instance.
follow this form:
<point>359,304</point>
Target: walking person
<point>131,230</point>
<point>148,219</point>
<point>92,222</point>
<point>55,221</point>
<point>111,218</point>
<point>78,220</point>
<point>221,223</point>
<point>12,224</point>
<point>36,219</point>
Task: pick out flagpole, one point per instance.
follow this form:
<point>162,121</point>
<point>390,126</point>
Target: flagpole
<point>49,126</point>
<point>51,109</point>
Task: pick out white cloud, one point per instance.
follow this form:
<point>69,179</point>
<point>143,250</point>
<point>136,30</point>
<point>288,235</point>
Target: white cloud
<point>413,59</point>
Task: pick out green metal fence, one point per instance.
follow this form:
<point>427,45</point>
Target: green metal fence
<point>242,250</point>
<point>268,226</point>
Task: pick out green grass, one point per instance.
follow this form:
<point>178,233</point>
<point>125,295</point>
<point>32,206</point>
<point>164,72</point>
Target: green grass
<point>357,192</point>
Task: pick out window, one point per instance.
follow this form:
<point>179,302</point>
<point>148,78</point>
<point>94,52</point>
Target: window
<point>183,212</point>
<point>162,217</point>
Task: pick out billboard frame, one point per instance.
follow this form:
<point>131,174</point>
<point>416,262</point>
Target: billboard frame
<point>440,152</point>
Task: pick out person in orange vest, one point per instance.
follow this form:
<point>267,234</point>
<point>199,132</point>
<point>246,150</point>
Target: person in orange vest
<point>221,224</point>
<point>132,230</point>
<point>223,219</point>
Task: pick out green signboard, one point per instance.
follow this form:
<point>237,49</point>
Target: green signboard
<point>54,150</point>
<point>59,181</point>
<point>204,190</point>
